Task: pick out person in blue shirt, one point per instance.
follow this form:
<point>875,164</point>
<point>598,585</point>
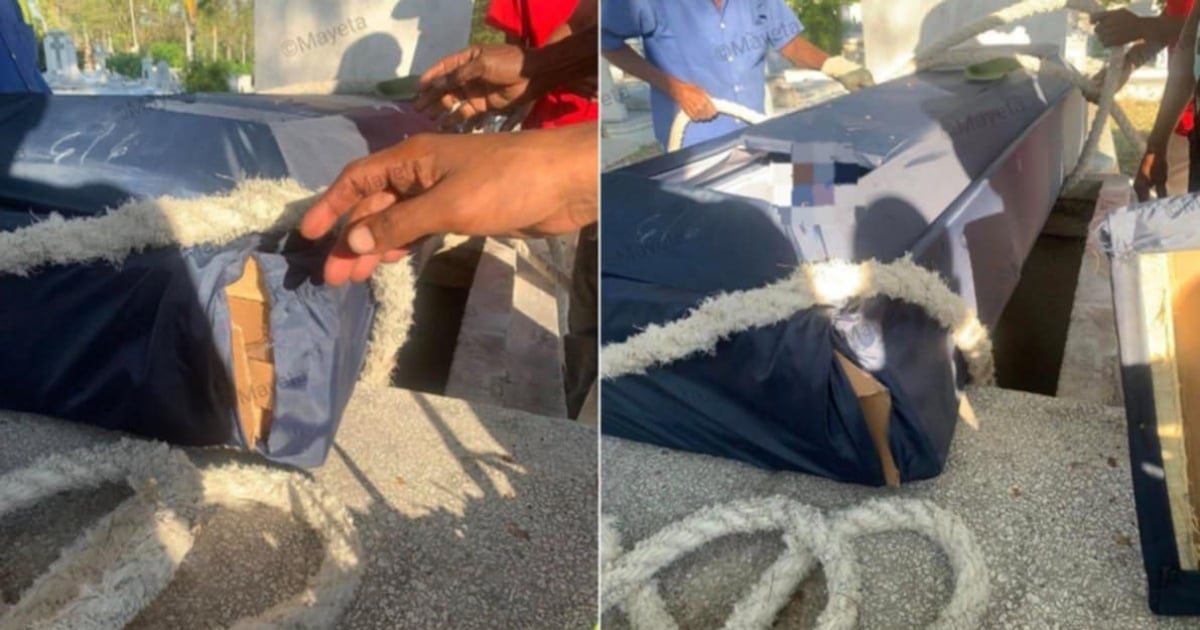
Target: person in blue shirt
<point>697,50</point>
<point>18,52</point>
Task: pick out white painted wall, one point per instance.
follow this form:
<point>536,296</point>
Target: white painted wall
<point>312,41</point>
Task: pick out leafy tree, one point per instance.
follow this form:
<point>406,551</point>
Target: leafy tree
<point>481,33</point>
<point>208,76</point>
<point>125,64</point>
<point>822,21</point>
<point>170,52</point>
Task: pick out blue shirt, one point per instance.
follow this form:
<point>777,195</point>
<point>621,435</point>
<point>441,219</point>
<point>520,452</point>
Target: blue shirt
<point>722,50</point>
<point>18,52</point>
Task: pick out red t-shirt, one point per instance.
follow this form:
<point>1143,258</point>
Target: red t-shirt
<point>1181,9</point>
<point>533,22</point>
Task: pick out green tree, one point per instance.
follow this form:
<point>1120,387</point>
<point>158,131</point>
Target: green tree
<point>481,33</point>
<point>822,21</point>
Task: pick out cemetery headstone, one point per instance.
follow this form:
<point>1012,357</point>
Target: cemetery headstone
<point>62,59</point>
<point>353,41</point>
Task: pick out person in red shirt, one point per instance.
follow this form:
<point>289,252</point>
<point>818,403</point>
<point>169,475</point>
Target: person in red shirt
<point>533,24</point>
<point>1122,26</point>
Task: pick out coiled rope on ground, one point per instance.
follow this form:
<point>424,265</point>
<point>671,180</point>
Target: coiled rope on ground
<point>809,537</point>
<point>119,565</point>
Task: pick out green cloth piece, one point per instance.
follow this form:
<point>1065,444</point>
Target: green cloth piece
<point>993,69</point>
<point>404,88</point>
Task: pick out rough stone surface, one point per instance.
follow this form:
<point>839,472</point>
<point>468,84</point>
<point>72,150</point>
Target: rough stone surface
<point>471,517</point>
<point>1044,485</point>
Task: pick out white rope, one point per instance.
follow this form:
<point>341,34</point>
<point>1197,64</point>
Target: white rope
<point>255,206</point>
<point>117,567</point>
<point>941,55</point>
<point>812,284</point>
<point>682,120</point>
<point>809,537</point>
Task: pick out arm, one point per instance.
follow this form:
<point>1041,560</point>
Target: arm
<point>1163,29</point>
<point>586,16</point>
<point>471,184</point>
<point>1181,84</point>
<point>564,61</point>
<point>692,99</point>
<point>627,59</point>
<point>1122,26</point>
<point>804,54</point>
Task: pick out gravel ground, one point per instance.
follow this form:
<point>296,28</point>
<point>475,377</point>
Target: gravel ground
<point>471,516</point>
<point>1044,485</point>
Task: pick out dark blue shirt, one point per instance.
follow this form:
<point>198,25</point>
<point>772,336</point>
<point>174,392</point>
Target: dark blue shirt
<point>18,52</point>
<point>722,50</point>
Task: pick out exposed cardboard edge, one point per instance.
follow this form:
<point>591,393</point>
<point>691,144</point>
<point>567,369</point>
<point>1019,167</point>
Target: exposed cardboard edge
<point>876,403</point>
<point>253,359</point>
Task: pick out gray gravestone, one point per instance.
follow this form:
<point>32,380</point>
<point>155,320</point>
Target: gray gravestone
<point>100,58</point>
<point>62,59</point>
<point>162,80</point>
<point>147,68</point>
<point>354,41</point>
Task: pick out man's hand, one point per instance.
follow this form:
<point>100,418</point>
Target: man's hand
<point>1118,27</point>
<point>474,81</point>
<point>851,75</point>
<point>533,183</point>
<point>1152,174</point>
<point>693,100</point>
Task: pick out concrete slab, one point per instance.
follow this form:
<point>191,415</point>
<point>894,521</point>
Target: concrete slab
<point>1091,360</point>
<point>1044,485</point>
<point>471,517</point>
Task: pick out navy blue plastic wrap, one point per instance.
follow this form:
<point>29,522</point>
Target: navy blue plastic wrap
<point>143,346</point>
<point>1170,225</point>
<point>960,176</point>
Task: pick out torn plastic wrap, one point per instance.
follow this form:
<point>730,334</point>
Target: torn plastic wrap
<point>144,346</point>
<point>1134,238</point>
<point>961,176</point>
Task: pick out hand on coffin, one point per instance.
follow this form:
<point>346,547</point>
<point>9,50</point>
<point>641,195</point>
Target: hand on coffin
<point>1152,174</point>
<point>532,183</point>
<point>474,81</point>
<point>851,75</point>
<point>1118,27</point>
<point>693,100</point>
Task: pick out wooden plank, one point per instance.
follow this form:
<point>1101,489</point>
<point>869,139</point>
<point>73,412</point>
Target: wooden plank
<point>250,345</point>
<point>1185,303</point>
<point>1158,283</point>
